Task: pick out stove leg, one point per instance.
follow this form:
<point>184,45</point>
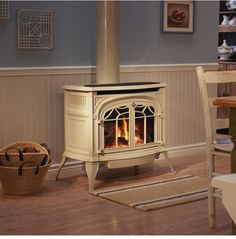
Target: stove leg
<point>63,161</point>
<point>169,162</point>
<point>91,170</point>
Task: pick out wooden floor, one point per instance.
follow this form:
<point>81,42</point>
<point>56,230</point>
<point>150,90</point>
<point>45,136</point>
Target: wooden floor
<point>64,207</point>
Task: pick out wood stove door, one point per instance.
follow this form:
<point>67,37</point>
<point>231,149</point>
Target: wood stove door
<point>130,126</point>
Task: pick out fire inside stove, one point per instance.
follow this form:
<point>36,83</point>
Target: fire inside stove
<point>121,130</point>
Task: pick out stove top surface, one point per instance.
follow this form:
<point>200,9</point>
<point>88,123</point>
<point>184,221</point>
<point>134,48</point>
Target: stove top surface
<point>122,84</point>
<point>126,87</point>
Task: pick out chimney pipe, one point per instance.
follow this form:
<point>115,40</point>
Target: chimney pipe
<point>107,42</point>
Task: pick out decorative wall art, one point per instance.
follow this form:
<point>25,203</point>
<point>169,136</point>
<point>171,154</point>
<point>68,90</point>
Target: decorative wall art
<point>4,9</point>
<point>177,16</point>
<point>35,29</point>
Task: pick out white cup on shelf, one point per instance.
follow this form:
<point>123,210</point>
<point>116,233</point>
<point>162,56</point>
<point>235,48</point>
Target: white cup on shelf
<point>232,21</point>
<point>225,20</point>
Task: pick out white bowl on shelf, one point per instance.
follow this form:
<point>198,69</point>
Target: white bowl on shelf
<point>225,51</point>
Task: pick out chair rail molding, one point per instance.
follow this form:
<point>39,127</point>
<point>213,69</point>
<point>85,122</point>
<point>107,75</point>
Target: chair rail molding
<point>72,70</point>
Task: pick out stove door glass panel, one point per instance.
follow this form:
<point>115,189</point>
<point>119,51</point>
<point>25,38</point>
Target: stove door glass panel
<point>110,134</point>
<point>116,128</point>
<point>139,130</point>
<point>150,130</point>
<point>144,124</point>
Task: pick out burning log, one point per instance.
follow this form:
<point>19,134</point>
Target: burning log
<point>109,141</point>
<point>122,141</point>
<point>139,137</point>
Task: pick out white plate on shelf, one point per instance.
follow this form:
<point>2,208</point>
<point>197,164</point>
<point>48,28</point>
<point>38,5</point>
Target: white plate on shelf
<point>234,47</point>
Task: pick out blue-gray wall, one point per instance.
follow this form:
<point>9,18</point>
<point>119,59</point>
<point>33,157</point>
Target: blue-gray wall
<point>140,38</point>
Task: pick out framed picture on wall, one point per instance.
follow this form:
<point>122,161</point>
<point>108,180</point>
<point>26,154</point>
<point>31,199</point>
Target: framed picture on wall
<point>4,9</point>
<point>177,16</point>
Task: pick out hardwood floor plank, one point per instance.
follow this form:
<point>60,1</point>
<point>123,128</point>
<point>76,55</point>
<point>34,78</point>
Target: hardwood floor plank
<point>65,207</point>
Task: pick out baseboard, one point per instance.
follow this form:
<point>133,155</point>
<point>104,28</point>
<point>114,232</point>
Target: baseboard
<point>186,150</point>
<point>72,169</point>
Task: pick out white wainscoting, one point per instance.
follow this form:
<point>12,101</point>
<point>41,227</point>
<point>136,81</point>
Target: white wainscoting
<point>31,102</point>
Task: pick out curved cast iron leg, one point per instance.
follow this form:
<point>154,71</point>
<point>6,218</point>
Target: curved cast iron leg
<point>91,170</point>
<point>169,162</point>
<point>63,161</point>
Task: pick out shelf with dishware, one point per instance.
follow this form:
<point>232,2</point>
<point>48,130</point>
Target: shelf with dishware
<point>226,47</point>
<point>227,30</point>
<point>227,16</point>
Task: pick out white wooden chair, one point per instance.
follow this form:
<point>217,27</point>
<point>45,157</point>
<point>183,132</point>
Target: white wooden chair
<point>227,183</point>
<point>206,79</point>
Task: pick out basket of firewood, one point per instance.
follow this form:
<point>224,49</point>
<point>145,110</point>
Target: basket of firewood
<point>14,154</point>
<point>23,167</point>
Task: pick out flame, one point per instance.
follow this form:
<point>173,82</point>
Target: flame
<point>125,125</point>
<point>138,139</point>
<point>123,130</point>
<point>119,132</point>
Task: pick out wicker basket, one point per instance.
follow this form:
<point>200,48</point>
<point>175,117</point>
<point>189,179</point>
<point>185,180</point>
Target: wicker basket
<point>23,180</point>
<point>12,155</point>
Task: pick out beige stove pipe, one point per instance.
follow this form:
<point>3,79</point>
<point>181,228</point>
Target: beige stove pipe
<point>107,42</point>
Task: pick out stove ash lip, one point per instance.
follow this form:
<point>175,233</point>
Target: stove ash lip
<point>121,84</point>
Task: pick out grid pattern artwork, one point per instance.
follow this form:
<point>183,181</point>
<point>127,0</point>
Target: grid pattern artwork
<point>4,9</point>
<point>35,29</point>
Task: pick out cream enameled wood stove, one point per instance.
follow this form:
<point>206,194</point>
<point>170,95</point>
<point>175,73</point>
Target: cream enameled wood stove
<point>110,123</point>
<point>116,125</point>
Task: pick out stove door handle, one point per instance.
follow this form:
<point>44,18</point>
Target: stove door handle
<point>101,151</point>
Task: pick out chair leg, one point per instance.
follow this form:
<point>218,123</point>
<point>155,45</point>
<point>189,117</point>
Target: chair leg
<point>211,191</point>
<point>169,162</point>
<point>211,207</point>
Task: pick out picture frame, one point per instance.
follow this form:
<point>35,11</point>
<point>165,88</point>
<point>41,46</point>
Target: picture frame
<point>177,16</point>
<point>4,10</point>
<point>34,29</point>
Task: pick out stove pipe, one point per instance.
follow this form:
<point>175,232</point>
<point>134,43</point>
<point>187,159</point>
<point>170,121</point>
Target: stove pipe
<point>107,42</point>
